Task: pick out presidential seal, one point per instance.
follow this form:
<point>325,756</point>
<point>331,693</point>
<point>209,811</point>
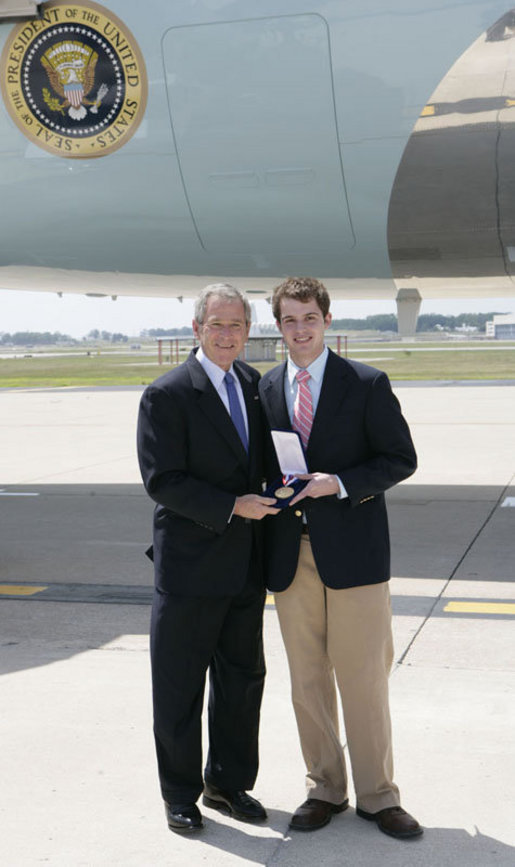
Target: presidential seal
<point>74,80</point>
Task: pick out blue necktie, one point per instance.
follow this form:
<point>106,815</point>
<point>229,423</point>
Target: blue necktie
<point>235,409</point>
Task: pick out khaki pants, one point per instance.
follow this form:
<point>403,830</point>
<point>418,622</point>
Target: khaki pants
<point>347,634</point>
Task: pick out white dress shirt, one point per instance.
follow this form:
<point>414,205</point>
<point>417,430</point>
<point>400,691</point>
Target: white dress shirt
<point>216,375</point>
<point>316,371</point>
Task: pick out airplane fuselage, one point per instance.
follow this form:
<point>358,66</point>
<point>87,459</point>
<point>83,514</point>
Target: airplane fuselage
<point>150,148</point>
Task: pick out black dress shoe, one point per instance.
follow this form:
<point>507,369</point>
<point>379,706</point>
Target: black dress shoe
<point>314,814</point>
<point>394,821</point>
<point>237,804</point>
<point>183,817</point>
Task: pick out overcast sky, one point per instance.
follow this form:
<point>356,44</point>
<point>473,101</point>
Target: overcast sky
<point>77,315</point>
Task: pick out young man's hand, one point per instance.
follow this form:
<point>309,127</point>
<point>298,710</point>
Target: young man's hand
<point>319,485</point>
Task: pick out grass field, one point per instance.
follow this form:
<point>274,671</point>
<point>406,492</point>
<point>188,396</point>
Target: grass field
<point>416,361</point>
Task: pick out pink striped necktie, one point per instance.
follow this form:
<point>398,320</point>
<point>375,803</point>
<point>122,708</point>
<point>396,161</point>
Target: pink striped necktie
<point>303,407</point>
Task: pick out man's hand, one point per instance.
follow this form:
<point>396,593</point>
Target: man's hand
<point>253,506</point>
<point>319,485</point>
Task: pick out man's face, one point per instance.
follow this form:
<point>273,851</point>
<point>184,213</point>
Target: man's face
<point>224,332</point>
<point>303,327</point>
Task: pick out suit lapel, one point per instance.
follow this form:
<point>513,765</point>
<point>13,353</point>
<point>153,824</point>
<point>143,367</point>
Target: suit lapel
<point>212,405</point>
<point>332,394</point>
<point>251,397</point>
<point>275,400</point>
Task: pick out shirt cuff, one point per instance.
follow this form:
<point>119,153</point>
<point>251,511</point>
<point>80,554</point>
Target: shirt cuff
<point>343,493</point>
<point>231,516</point>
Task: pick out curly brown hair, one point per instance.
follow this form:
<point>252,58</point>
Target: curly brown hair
<point>301,289</point>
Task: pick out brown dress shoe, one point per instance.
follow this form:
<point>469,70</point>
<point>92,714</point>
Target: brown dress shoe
<point>314,814</point>
<point>394,821</point>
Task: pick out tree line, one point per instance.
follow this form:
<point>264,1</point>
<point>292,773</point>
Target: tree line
<point>426,322</point>
<point>39,338</point>
<point>55,338</point>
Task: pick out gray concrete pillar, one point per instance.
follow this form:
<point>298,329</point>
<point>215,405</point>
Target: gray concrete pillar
<point>408,307</point>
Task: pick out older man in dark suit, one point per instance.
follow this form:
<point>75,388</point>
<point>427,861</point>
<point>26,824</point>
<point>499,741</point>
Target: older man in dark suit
<point>200,453</point>
<point>328,561</point>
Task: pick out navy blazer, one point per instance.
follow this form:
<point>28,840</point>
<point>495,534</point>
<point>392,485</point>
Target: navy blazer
<point>193,465</point>
<point>359,434</point>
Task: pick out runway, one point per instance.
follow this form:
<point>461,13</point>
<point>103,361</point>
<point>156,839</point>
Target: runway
<point>77,762</point>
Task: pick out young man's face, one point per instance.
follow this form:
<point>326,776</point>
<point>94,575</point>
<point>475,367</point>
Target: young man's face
<point>303,327</point>
<point>224,332</point>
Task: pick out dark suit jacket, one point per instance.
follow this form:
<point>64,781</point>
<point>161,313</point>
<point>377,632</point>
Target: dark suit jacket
<point>360,434</point>
<point>193,465</point>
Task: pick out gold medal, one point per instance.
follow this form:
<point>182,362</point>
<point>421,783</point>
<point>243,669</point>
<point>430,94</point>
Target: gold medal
<point>283,493</point>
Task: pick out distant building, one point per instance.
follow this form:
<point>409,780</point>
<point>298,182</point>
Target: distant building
<point>466,329</point>
<point>260,348</point>
<point>501,327</point>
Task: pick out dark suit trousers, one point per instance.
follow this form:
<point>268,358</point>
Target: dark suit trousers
<point>190,635</point>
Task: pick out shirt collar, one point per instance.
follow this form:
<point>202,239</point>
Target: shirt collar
<point>315,369</point>
<point>216,374</point>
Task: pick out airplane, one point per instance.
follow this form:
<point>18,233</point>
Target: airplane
<point>149,149</point>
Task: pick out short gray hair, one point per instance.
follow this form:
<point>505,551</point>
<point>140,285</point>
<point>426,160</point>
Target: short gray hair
<point>220,290</point>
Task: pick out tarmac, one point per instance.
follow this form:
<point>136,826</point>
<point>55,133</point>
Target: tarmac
<point>79,782</point>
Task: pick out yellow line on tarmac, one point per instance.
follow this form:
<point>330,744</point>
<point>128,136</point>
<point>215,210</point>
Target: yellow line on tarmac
<point>19,590</point>
<point>481,607</point>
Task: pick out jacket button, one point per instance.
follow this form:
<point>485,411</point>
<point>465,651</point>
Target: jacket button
<point>298,513</point>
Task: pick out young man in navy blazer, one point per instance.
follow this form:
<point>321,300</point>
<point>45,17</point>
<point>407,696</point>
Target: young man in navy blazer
<point>200,436</point>
<point>328,563</point>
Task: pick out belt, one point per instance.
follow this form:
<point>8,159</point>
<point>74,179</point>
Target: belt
<point>305,529</point>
